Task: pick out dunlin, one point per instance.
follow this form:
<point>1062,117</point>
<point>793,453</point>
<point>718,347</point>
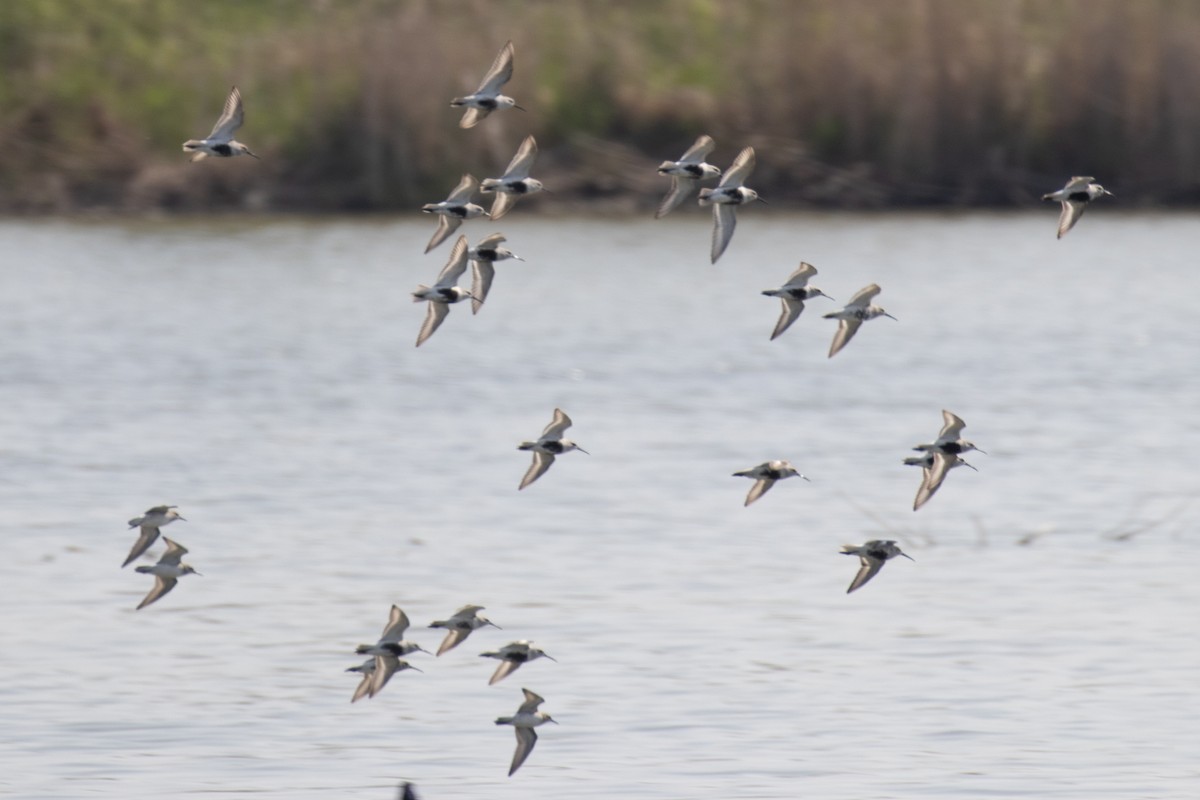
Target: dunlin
<point>853,315</point>
<point>391,641</point>
<point>444,292</point>
<point>515,181</point>
<point>726,197</point>
<point>949,439</point>
<point>872,555</point>
<point>487,97</point>
<point>793,293</point>
<point>934,466</point>
<point>1074,197</point>
<point>685,174</point>
<point>453,210</point>
<point>385,667</point>
<point>513,655</point>
<point>765,475</point>
<point>220,142</point>
<point>149,525</point>
<point>367,670</point>
<point>483,257</point>
<point>524,721</point>
<point>548,445</point>
<point>166,572</point>
<point>460,625</point>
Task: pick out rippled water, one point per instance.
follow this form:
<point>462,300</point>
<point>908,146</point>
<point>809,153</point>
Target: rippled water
<point>262,375</point>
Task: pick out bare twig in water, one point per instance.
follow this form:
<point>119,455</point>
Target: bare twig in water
<point>1126,530</point>
<point>899,534</point>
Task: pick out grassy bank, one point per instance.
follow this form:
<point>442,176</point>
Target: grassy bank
<point>856,103</point>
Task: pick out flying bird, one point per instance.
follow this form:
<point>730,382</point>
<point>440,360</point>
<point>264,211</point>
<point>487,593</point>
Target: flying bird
<point>949,439</point>
<point>220,142</point>
<point>443,293</point>
<point>487,97</point>
<point>515,181</point>
<point>483,257</point>
<point>792,294</point>
<point>149,526</point>
<point>166,572</point>
<point>453,210</point>
<point>765,475</point>
<point>872,556</point>
<point>729,194</point>
<point>512,656</point>
<point>685,173</point>
<point>548,445</point>
<point>1075,197</point>
<point>524,721</point>
<point>391,641</point>
<point>853,315</point>
<point>934,466</point>
<point>460,625</point>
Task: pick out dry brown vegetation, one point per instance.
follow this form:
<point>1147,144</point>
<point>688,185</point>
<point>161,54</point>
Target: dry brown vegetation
<point>856,103</point>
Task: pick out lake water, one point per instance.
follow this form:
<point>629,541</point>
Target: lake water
<point>261,375</point>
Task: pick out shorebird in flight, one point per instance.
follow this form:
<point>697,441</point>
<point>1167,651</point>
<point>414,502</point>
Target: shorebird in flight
<point>220,142</point>
<point>487,97</point>
<point>548,445</point>
<point>1075,197</point>
<point>524,721</point>
<point>851,318</point>
<point>872,556</point>
<point>729,194</point>
<point>685,173</point>
<point>792,294</point>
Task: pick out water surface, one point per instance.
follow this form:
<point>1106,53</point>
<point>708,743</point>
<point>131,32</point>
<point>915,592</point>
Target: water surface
<point>262,376</point>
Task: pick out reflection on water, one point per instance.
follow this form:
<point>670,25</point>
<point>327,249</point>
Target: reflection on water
<point>263,377</point>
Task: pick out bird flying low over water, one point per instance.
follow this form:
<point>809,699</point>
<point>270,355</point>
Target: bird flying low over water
<point>729,194</point>
<point>512,656</point>
<point>949,439</point>
<point>460,625</point>
<point>1075,197</point>
<point>872,556</point>
<point>443,293</point>
<point>685,173</point>
<point>515,181</point>
<point>934,466</point>
<point>851,318</point>
<point>548,445</point>
<point>453,210</point>
<point>487,97</point>
<point>166,572</point>
<point>765,475</point>
<point>793,293</point>
<point>391,641</point>
<point>524,721</point>
<point>149,525</point>
<point>942,455</point>
<point>483,257</point>
<point>220,142</point>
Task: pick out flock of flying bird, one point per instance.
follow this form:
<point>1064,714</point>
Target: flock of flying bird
<point>385,655</point>
<point>384,660</point>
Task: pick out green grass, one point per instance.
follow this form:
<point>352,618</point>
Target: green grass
<point>347,101</point>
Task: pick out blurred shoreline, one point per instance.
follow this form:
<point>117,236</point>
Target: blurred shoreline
<point>859,104</point>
